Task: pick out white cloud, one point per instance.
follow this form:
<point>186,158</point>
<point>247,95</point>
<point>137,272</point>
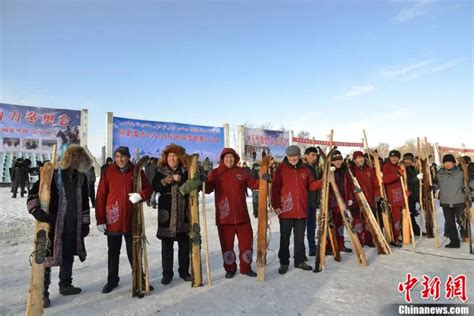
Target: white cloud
<point>418,8</point>
<point>418,69</point>
<point>357,91</point>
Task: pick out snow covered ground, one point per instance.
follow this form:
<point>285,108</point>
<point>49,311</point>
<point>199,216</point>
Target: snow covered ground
<point>342,289</point>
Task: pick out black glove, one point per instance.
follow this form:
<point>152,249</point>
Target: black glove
<point>85,230</point>
<point>41,216</point>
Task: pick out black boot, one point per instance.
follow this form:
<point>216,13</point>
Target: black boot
<point>251,274</point>
<point>47,282</point>
<point>303,266</point>
<point>229,274</point>
<point>283,269</point>
<point>109,287</point>
<point>186,277</point>
<point>312,253</point>
<point>345,249</point>
<point>167,279</point>
<point>453,244</point>
<point>69,290</point>
<point>395,244</point>
<point>46,301</point>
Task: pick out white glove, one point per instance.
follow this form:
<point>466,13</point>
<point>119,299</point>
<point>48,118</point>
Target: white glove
<point>134,198</point>
<point>101,228</point>
<point>349,203</point>
<point>332,169</point>
<point>277,211</point>
<point>419,176</point>
<point>381,174</point>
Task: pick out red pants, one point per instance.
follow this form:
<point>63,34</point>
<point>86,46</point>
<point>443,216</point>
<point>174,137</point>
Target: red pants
<point>361,227</point>
<point>396,218</point>
<point>245,236</point>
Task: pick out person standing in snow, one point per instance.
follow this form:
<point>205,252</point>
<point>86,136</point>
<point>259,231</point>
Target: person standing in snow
<point>113,210</point>
<point>393,186</point>
<point>452,197</point>
<point>413,178</point>
<point>311,162</point>
<point>346,189</point>
<point>230,183</point>
<point>173,210</point>
<point>68,216</point>
<point>289,198</point>
<point>369,185</point>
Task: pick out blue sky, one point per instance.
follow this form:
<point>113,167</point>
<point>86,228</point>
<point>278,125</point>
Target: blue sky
<point>399,69</point>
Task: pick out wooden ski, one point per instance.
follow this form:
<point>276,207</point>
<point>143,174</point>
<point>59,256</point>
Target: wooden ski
<point>467,209</point>
<point>323,217</point>
<point>347,219</point>
<point>385,208</point>
<point>262,242</point>
<point>195,231</point>
<point>40,241</point>
<point>140,275</point>
<point>406,218</point>
<point>374,228</point>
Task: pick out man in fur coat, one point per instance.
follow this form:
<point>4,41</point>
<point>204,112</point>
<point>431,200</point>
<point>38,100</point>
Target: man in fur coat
<point>68,217</point>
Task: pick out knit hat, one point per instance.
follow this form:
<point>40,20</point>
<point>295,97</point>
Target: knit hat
<point>293,150</point>
<point>395,153</point>
<point>408,156</point>
<point>123,150</point>
<point>449,157</point>
<point>356,154</point>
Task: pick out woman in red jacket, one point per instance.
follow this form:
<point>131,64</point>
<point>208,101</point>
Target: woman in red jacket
<point>289,198</point>
<point>391,179</point>
<point>230,183</point>
<point>113,210</point>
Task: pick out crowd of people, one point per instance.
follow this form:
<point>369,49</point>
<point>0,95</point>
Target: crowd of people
<point>294,197</point>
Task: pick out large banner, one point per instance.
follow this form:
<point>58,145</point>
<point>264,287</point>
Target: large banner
<point>35,129</point>
<point>260,142</point>
<point>151,137</point>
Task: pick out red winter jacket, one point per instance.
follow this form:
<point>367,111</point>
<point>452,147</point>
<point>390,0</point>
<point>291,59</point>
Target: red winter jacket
<point>290,186</point>
<point>230,185</point>
<point>368,182</point>
<point>345,187</point>
<point>393,186</point>
<point>112,204</point>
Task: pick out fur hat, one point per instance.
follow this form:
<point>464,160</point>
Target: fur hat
<point>175,149</point>
<point>85,162</point>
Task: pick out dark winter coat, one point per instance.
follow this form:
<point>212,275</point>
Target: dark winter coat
<point>413,184</point>
<point>230,185</point>
<point>150,172</point>
<point>313,196</point>
<point>173,211</point>
<point>113,207</point>
<point>290,186</point>
<point>20,176</point>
